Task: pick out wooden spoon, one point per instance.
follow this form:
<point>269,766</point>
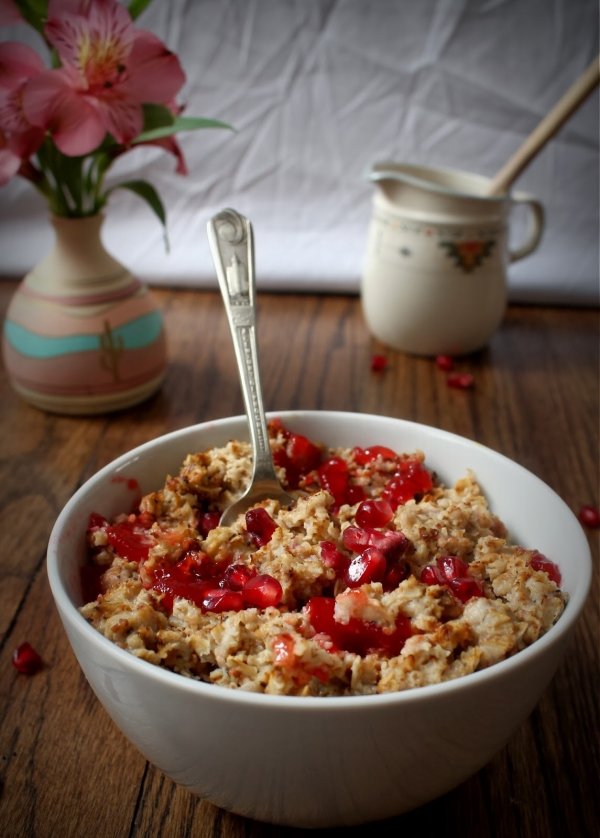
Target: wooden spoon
<point>546,129</point>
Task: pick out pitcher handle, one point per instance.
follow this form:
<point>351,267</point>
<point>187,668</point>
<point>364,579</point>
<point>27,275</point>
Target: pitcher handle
<point>536,227</point>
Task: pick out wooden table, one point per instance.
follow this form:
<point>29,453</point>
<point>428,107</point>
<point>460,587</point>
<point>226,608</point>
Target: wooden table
<point>67,771</point>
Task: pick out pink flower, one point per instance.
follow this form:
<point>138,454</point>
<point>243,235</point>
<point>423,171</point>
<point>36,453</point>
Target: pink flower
<point>109,70</point>
<point>18,138</point>
<point>9,13</point>
<point>9,161</point>
<point>171,145</point>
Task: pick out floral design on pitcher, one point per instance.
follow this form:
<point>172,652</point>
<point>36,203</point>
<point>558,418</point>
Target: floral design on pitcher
<point>468,255</point>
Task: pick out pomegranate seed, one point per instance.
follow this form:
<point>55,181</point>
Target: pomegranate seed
<point>379,363</point>
<point>589,516</point>
<point>367,455</point>
<point>333,557</point>
<point>145,520</point>
<point>415,471</point>
<point>466,587</point>
<point>374,513</point>
<point>355,539</point>
<point>452,567</point>
<point>354,494</point>
<point>303,453</point>
<point>356,636</point>
<point>392,543</point>
<point>445,362</point>
<point>299,457</point>
<point>333,476</point>
<point>368,566</point>
<point>260,525</point>
<point>96,521</point>
<point>319,610</point>
<point>430,576</point>
<point>262,591</point>
<point>398,572</point>
<point>453,572</point>
<point>541,562</point>
<point>176,581</point>
<point>389,542</point>
<point>26,660</point>
<point>207,521</point>
<point>235,576</point>
<point>195,565</point>
<point>411,479</point>
<point>461,381</point>
<point>219,600</point>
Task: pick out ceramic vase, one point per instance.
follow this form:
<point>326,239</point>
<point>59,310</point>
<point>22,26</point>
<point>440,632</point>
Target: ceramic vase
<point>82,335</point>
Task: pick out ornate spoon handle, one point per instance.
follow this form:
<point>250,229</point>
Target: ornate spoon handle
<point>232,245</point>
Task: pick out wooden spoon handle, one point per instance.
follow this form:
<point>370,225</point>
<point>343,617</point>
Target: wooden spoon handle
<point>546,129</point>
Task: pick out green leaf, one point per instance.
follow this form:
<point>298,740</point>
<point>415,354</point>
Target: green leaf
<point>34,12</point>
<point>136,7</point>
<point>148,193</point>
<point>180,123</point>
<point>157,116</point>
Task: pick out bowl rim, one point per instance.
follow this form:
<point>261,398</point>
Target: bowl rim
<point>70,614</point>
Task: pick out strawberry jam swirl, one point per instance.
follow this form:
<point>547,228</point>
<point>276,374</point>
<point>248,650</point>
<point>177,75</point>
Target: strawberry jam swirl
<point>379,578</point>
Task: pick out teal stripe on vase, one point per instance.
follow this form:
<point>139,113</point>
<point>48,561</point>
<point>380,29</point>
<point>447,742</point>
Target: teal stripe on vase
<point>136,334</point>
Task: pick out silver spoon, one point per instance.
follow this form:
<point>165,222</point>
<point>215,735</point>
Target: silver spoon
<point>232,246</point>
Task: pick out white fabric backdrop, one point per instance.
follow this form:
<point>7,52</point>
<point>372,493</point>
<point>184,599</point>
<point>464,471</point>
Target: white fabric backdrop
<point>317,91</point>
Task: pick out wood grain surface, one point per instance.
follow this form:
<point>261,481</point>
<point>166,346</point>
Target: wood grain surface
<point>67,771</point>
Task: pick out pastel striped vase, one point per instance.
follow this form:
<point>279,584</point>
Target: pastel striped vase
<point>81,334</point>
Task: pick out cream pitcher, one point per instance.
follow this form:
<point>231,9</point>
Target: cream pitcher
<point>435,272</point>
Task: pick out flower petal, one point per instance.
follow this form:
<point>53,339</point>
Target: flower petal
<point>9,162</point>
<point>122,117</point>
<point>18,63</point>
<point>94,37</point>
<point>74,119</point>
<point>25,143</point>
<point>155,74</point>
<point>9,13</point>
<point>171,145</point>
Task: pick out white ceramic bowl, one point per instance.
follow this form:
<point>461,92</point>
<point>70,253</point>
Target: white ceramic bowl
<point>314,762</point>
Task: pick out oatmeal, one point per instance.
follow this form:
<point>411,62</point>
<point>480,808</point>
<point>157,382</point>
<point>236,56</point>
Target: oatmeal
<point>378,578</point>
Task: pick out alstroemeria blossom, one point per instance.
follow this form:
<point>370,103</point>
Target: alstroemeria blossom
<point>107,88</point>
<point>18,138</point>
<point>109,70</point>
<point>9,13</point>
<point>9,161</point>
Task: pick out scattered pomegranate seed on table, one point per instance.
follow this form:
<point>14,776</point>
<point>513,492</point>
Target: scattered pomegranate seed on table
<point>445,362</point>
<point>379,363</point>
<point>461,381</point>
<point>26,660</point>
<point>589,516</point>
